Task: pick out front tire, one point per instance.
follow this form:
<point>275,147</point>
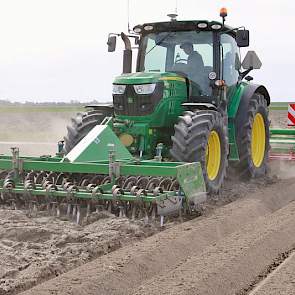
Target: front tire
<point>201,136</point>
<point>81,125</point>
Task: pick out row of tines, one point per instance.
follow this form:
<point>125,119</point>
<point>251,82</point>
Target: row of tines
<point>78,209</point>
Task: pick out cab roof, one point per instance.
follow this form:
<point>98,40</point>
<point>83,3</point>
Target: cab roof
<point>182,25</point>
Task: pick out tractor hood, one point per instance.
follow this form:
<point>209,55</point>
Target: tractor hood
<point>146,78</point>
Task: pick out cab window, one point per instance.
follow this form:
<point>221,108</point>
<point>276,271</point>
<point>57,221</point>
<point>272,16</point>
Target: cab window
<point>230,59</point>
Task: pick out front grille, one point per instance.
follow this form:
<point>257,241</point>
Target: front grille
<point>132,104</point>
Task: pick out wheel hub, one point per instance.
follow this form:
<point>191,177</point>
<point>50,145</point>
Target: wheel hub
<point>258,140</point>
<point>213,155</point>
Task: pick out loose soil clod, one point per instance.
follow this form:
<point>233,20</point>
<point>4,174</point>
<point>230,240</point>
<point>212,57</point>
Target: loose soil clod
<point>36,249</point>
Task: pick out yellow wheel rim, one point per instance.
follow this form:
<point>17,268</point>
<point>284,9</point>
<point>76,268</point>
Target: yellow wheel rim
<point>258,140</point>
<point>213,155</point>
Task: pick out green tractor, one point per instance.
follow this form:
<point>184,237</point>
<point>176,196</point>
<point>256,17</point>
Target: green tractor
<point>187,98</point>
<point>173,129</point>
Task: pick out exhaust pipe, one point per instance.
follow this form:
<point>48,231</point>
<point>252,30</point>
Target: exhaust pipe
<point>127,54</point>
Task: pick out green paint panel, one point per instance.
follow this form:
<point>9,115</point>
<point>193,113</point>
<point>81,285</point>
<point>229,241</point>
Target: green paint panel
<point>145,78</point>
<point>95,146</point>
<point>235,99</point>
<point>290,131</point>
<point>191,180</point>
<point>142,168</point>
<point>39,191</point>
<point>233,148</point>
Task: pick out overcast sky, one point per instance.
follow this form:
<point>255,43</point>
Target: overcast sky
<point>56,49</point>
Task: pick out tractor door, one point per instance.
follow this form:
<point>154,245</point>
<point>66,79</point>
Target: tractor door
<point>230,62</point>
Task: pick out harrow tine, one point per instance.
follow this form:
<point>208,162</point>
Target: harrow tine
<point>161,220</point>
<point>12,205</point>
<point>180,215</point>
<point>88,210</point>
<point>32,212</point>
<point>153,182</point>
<point>74,212</point>
<point>58,210</point>
<point>165,183</point>
<point>110,206</point>
<point>60,179</point>
<point>53,208</point>
<point>48,207</point>
<point>35,207</point>
<point>153,214</point>
<point>133,214</point>
<point>146,217</point>
<point>140,214</point>
<point>121,211</point>
<point>69,210</point>
<point>78,206</point>
<point>130,182</point>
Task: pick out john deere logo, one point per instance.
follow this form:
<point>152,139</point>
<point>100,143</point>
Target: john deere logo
<point>130,100</point>
<point>97,140</point>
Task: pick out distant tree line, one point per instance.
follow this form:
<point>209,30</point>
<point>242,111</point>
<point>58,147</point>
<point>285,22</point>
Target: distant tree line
<point>51,103</point>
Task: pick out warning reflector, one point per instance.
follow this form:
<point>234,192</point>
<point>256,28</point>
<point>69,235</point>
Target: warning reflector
<point>291,114</point>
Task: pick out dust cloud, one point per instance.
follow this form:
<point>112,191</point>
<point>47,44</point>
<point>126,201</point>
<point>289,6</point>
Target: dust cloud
<point>283,169</point>
<point>35,133</point>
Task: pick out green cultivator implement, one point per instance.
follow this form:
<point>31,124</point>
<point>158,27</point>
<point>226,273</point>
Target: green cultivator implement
<point>282,144</point>
<point>123,185</point>
<point>175,125</point>
<point>115,186</point>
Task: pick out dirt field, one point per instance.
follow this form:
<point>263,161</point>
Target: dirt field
<point>225,252</point>
<point>243,243</point>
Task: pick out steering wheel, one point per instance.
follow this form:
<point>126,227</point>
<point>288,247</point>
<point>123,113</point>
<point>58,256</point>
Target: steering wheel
<point>180,65</point>
<point>181,61</point>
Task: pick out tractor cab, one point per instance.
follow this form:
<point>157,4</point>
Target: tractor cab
<point>204,54</point>
<point>186,53</point>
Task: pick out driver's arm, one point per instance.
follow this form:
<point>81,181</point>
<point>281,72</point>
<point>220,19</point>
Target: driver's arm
<point>195,62</point>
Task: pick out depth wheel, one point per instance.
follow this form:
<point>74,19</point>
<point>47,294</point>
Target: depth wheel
<point>202,137</point>
<point>252,130</point>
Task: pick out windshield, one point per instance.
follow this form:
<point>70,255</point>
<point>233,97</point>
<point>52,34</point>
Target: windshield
<point>186,52</point>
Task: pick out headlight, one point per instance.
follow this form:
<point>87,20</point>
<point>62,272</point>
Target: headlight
<point>118,89</point>
<point>216,26</point>
<point>148,27</point>
<point>144,88</point>
<point>202,25</point>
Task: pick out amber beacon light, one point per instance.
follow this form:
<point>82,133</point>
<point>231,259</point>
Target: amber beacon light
<point>223,14</point>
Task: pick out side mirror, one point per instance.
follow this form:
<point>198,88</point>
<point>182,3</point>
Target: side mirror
<point>251,61</point>
<point>242,38</point>
<point>112,40</point>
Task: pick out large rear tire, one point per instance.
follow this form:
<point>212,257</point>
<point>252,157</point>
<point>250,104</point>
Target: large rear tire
<point>201,136</point>
<point>80,126</point>
<point>252,129</point>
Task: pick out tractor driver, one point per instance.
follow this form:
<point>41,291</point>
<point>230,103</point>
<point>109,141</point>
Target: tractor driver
<point>195,64</point>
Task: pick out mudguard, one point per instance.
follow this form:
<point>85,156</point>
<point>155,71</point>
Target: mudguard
<point>248,92</point>
<point>254,88</point>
